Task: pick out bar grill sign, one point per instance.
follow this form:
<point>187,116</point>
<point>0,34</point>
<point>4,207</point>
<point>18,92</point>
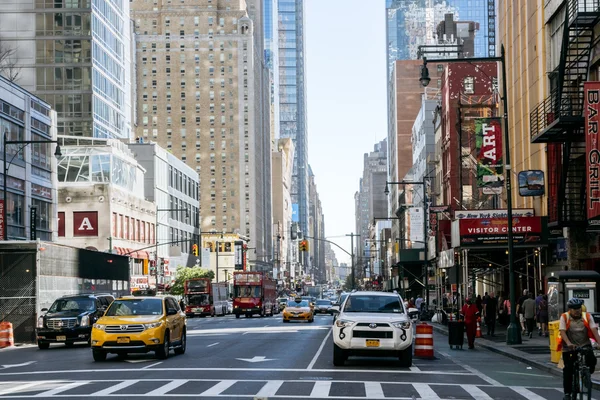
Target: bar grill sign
<point>2,219</point>
<point>488,139</point>
<point>592,147</point>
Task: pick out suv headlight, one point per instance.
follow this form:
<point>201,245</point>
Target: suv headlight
<point>342,323</point>
<point>85,321</point>
<point>100,327</point>
<point>40,322</point>
<point>402,324</point>
<point>153,325</point>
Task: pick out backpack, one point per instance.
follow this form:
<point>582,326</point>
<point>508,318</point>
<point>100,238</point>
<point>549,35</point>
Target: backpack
<point>565,316</point>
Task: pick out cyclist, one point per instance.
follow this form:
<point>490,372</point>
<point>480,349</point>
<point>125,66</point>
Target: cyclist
<point>576,329</point>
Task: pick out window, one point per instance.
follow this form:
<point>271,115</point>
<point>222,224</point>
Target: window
<point>469,85</point>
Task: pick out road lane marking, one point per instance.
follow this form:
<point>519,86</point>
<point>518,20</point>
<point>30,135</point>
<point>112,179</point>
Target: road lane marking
<point>218,388</point>
<point>476,393</point>
<point>373,390</point>
<point>528,394</point>
<point>270,388</point>
<point>521,373</point>
<point>112,389</point>
<point>174,384</point>
<point>152,365</point>
<point>425,392</point>
<point>259,329</point>
<point>414,369</point>
<point>214,344</point>
<point>314,360</point>
<point>481,375</point>
<point>321,389</point>
<point>20,388</point>
<point>62,388</point>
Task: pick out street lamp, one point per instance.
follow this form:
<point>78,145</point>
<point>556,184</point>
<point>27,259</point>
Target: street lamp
<point>513,333</point>
<point>57,154</point>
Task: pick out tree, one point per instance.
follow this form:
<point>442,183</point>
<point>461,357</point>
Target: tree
<point>348,283</point>
<point>8,62</point>
<point>184,273</point>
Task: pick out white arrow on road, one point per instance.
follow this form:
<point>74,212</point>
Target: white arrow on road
<point>256,359</point>
<point>17,365</point>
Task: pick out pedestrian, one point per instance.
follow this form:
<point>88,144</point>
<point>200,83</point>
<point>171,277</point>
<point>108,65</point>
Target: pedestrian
<point>520,311</point>
<point>479,303</point>
<point>490,309</point>
<point>538,299</point>
<point>182,305</point>
<point>470,312</point>
<point>529,311</point>
<point>501,311</point>
<point>419,302</point>
<point>507,309</point>
<point>543,315</point>
<point>576,328</point>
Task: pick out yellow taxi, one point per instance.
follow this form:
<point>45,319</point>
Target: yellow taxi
<point>298,309</point>
<point>141,324</point>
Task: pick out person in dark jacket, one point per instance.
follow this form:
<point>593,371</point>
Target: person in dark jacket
<point>490,310</point>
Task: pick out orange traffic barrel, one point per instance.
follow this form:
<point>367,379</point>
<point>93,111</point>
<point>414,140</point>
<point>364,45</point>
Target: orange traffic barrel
<point>424,341</point>
<point>478,332</point>
<point>6,335</point>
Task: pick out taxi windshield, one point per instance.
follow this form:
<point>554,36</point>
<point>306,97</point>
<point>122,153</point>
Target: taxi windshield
<point>373,304</point>
<point>72,304</point>
<point>294,303</point>
<point>128,307</point>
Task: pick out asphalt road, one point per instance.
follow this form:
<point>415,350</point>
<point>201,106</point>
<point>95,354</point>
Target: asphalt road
<point>264,358</point>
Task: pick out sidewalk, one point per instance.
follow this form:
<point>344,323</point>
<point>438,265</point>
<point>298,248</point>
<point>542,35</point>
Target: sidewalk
<point>534,352</point>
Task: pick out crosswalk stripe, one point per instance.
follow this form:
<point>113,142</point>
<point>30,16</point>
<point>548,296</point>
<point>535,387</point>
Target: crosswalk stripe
<point>218,388</point>
<point>425,392</point>
<point>528,394</point>
<point>174,384</point>
<point>112,389</point>
<point>19,388</point>
<point>62,388</point>
<point>476,393</point>
<point>270,388</point>
<point>373,390</point>
<point>321,389</point>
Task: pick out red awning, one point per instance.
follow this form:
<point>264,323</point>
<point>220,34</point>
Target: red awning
<point>140,254</point>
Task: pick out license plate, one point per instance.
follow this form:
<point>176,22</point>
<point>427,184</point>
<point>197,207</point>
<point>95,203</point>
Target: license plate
<point>123,340</point>
<point>61,338</point>
<point>372,343</point>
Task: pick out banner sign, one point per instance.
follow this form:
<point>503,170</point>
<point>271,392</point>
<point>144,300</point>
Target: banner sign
<point>502,213</point>
<point>33,223</point>
<point>592,148</point>
<point>488,148</point>
<point>490,231</point>
<point>416,218</point>
<point>2,219</point>
<point>238,255</point>
<point>531,183</point>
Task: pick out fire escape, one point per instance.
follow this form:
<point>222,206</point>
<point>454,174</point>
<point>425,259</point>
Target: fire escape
<point>559,121</point>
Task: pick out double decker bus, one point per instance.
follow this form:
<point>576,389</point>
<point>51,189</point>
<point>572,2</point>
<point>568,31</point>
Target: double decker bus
<point>253,293</point>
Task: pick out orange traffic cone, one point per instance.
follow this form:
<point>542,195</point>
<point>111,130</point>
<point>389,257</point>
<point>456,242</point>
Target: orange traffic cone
<point>478,333</point>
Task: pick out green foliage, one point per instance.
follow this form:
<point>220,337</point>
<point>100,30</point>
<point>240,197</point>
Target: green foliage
<point>348,283</point>
<point>185,273</point>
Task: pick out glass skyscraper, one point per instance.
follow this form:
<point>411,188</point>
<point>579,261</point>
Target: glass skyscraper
<point>476,11</point>
<point>292,99</point>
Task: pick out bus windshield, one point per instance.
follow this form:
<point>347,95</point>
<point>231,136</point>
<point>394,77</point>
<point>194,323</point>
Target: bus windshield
<point>247,291</point>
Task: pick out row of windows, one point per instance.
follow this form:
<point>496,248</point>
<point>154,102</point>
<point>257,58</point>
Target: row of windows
<point>111,92</point>
<point>109,14</point>
<point>182,211</point>
<point>107,63</point>
<point>71,51</point>
<point>185,184</point>
<point>62,3</point>
<point>124,227</point>
<point>107,37</point>
<point>62,24</point>
<point>108,115</point>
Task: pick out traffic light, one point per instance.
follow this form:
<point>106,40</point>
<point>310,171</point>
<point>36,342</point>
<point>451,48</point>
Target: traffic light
<point>303,245</point>
<point>195,249</point>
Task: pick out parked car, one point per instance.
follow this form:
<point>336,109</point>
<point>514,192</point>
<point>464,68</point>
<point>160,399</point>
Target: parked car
<point>70,319</point>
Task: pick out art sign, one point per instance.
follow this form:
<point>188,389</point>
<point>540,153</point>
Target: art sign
<point>488,149</point>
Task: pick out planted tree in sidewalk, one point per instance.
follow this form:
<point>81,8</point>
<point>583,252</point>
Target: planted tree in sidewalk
<point>184,273</point>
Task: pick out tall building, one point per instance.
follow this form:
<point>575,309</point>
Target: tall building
<point>205,59</point>
<point>270,17</point>
<point>479,11</point>
<point>292,98</point>
<point>76,56</point>
<point>316,232</point>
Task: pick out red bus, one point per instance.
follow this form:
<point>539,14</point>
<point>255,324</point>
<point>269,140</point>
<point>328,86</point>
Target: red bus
<point>204,298</point>
<point>253,293</point>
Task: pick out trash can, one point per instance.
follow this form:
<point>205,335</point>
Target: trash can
<point>555,354</point>
<point>456,334</point>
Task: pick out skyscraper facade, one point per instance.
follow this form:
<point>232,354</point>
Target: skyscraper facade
<point>476,11</point>
<point>270,17</point>
<point>292,99</point>
<point>75,55</point>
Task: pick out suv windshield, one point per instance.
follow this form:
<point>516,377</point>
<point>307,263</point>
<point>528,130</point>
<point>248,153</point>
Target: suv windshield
<point>73,304</point>
<point>135,307</point>
<point>373,304</point>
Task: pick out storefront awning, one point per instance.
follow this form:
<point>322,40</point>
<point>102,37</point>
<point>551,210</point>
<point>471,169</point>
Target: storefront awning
<point>137,254</point>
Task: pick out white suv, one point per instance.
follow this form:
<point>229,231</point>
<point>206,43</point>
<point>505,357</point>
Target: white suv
<point>372,324</point>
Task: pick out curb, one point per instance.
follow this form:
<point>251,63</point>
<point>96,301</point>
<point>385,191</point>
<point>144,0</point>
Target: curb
<point>544,367</point>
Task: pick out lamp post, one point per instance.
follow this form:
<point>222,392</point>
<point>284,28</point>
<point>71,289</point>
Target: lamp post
<point>57,153</point>
<point>513,333</point>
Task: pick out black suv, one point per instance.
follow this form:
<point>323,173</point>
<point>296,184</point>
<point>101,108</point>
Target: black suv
<point>70,319</point>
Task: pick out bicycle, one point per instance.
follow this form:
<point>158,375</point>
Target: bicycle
<point>582,380</point>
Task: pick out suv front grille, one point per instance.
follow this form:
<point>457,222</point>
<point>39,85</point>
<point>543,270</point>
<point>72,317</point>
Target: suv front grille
<point>61,323</point>
<point>373,334</point>
<point>124,328</point>
<point>379,324</point>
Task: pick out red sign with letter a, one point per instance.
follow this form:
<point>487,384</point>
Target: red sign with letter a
<point>591,92</point>
<point>85,223</point>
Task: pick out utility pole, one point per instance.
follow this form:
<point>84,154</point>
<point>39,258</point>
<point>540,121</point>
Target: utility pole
<point>352,235</point>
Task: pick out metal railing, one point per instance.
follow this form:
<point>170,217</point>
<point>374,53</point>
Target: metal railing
<point>578,7</point>
<point>552,109</point>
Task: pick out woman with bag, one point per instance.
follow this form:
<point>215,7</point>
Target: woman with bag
<point>543,315</point>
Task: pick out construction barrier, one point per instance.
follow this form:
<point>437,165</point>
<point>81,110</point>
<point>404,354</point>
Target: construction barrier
<point>424,341</point>
<point>6,335</point>
<point>478,332</point>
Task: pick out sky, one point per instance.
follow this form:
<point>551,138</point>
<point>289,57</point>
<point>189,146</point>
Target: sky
<point>346,103</point>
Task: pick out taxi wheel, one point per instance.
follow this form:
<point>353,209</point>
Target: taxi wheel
<point>181,349</point>
<point>43,345</point>
<point>312,319</point>
<point>99,355</point>
<point>162,353</point>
